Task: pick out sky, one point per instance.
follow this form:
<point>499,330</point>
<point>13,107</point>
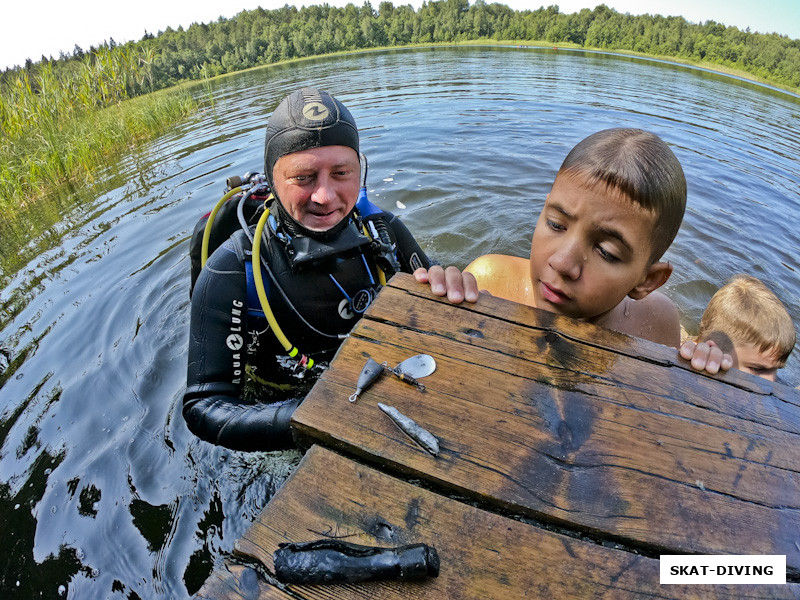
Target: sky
<point>46,27</point>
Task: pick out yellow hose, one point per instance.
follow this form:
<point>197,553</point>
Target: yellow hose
<point>262,295</point>
<point>210,222</point>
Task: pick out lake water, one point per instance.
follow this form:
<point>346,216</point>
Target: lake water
<point>103,491</point>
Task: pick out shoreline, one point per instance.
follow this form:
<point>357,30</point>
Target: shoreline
<point>535,44</point>
<point>44,189</point>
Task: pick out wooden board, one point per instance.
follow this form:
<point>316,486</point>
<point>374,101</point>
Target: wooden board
<point>239,582</point>
<point>483,555</point>
<point>545,417</point>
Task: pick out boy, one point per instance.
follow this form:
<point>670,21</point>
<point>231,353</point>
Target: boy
<point>616,204</point>
<point>747,321</point>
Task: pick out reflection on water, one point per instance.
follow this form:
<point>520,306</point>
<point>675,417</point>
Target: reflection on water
<point>103,492</point>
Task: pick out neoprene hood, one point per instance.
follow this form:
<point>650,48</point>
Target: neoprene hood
<point>307,118</point>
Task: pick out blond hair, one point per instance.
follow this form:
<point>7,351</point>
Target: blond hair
<point>640,165</point>
<point>746,311</point>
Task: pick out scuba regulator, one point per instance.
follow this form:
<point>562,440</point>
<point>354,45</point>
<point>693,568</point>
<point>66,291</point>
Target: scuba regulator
<point>301,252</point>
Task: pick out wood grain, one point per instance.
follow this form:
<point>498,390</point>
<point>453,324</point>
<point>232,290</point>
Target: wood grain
<point>483,555</point>
<point>570,458</point>
<point>593,436</point>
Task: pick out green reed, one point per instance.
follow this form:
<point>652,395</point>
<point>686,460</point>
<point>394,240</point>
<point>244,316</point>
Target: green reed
<point>59,128</point>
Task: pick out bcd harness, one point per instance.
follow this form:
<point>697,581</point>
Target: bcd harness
<point>365,233</point>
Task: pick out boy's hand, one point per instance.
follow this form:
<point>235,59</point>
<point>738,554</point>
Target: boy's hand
<point>706,356</point>
<point>456,285</point>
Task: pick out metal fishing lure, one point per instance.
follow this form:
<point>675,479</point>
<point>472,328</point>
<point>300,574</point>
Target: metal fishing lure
<point>412,369</point>
<point>409,371</point>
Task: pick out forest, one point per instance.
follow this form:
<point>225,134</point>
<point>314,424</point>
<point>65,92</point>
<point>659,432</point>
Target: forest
<point>48,107</point>
<point>262,37</point>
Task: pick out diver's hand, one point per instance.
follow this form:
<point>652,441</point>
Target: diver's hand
<point>456,285</point>
<point>705,356</point>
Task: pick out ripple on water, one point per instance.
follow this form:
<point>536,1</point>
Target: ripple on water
<point>95,456</point>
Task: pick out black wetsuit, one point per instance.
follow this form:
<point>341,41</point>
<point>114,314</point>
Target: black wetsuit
<point>241,392</point>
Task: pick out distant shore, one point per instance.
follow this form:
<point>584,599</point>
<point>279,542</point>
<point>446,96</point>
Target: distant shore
<point>537,44</point>
<point>42,169</point>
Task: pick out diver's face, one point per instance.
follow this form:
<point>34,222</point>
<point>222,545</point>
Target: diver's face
<point>318,187</point>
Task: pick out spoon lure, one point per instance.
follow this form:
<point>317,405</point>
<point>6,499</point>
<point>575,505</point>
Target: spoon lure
<point>412,369</point>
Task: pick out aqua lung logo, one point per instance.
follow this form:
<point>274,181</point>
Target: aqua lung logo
<point>315,111</point>
<point>344,310</point>
<point>235,340</point>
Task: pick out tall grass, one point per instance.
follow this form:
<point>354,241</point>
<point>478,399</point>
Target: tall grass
<point>57,129</point>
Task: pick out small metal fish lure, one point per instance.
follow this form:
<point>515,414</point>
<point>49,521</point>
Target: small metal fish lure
<point>368,375</point>
<point>422,436</point>
<point>412,369</point>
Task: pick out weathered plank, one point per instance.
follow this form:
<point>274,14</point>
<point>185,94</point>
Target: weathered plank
<point>483,555</point>
<point>238,582</point>
<point>555,427</point>
<point>486,323</point>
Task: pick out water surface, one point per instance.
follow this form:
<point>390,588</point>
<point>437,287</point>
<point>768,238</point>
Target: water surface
<point>103,491</point>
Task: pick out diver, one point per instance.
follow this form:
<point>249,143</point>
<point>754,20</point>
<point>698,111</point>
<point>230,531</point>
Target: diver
<point>304,255</point>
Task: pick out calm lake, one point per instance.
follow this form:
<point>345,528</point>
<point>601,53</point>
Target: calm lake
<point>103,491</point>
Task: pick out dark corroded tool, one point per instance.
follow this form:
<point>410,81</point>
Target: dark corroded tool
<point>420,435</point>
<point>331,561</point>
<point>413,368</point>
<point>368,375</point>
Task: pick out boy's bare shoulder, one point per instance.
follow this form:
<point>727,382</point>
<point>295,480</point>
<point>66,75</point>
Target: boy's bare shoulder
<point>653,318</point>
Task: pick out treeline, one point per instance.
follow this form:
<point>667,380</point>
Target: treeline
<point>261,37</point>
<point>47,107</point>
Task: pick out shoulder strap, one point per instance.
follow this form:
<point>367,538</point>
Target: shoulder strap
<point>253,304</point>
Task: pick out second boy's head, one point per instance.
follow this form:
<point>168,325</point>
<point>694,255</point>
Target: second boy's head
<point>615,206</point>
<point>746,320</point>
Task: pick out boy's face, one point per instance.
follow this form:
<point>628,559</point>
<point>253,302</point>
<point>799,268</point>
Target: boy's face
<point>591,248</point>
<point>748,358</point>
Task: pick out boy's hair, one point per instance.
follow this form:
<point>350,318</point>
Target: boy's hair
<point>746,311</point>
<point>640,165</point>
